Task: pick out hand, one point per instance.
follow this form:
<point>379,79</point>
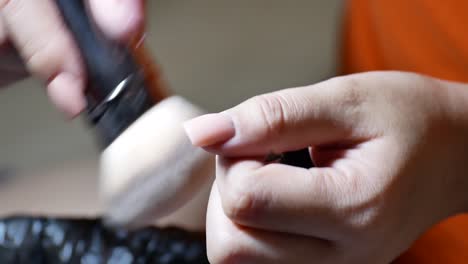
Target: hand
<point>390,150</point>
<point>35,31</point>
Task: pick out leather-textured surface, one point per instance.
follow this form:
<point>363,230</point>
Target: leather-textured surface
<point>59,240</point>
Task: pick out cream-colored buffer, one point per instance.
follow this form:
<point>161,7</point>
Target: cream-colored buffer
<point>152,169</point>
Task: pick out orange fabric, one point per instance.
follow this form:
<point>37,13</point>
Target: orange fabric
<point>445,243</point>
<point>424,36</point>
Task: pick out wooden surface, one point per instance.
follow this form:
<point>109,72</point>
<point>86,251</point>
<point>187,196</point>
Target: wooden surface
<point>445,243</point>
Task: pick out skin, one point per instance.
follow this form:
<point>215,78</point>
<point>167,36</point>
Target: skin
<point>34,40</point>
<point>390,149</point>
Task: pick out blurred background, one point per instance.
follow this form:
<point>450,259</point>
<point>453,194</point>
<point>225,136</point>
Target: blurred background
<point>214,52</point>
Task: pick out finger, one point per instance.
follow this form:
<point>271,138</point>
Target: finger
<point>329,202</point>
<point>66,92</point>
<point>267,197</point>
<point>282,121</point>
<point>119,19</point>
<point>230,243</point>
<point>38,33</point>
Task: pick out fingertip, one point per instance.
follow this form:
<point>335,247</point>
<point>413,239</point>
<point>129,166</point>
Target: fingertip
<point>119,19</point>
<point>209,129</point>
<point>66,93</point>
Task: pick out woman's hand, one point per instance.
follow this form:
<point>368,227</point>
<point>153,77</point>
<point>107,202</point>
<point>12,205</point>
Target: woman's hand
<point>32,31</point>
<point>391,151</point>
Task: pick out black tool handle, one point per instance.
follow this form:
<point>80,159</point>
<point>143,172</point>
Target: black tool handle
<point>107,62</point>
<point>299,158</point>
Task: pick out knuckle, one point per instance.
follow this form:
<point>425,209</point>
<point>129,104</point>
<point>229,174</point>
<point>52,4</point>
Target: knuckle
<point>273,111</point>
<point>238,204</point>
<point>349,96</point>
<point>349,87</point>
<point>360,221</point>
<point>42,58</point>
<point>352,91</point>
<point>45,58</point>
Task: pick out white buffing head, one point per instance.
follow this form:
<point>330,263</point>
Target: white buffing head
<point>152,169</point>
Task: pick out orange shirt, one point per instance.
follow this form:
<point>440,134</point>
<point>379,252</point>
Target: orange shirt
<point>424,36</point>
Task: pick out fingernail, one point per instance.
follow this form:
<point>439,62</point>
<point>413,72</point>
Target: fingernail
<point>209,129</point>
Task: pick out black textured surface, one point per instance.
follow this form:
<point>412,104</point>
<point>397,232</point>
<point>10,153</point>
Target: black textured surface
<point>87,241</point>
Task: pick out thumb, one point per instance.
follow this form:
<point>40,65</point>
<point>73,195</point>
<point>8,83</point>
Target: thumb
<point>275,123</point>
